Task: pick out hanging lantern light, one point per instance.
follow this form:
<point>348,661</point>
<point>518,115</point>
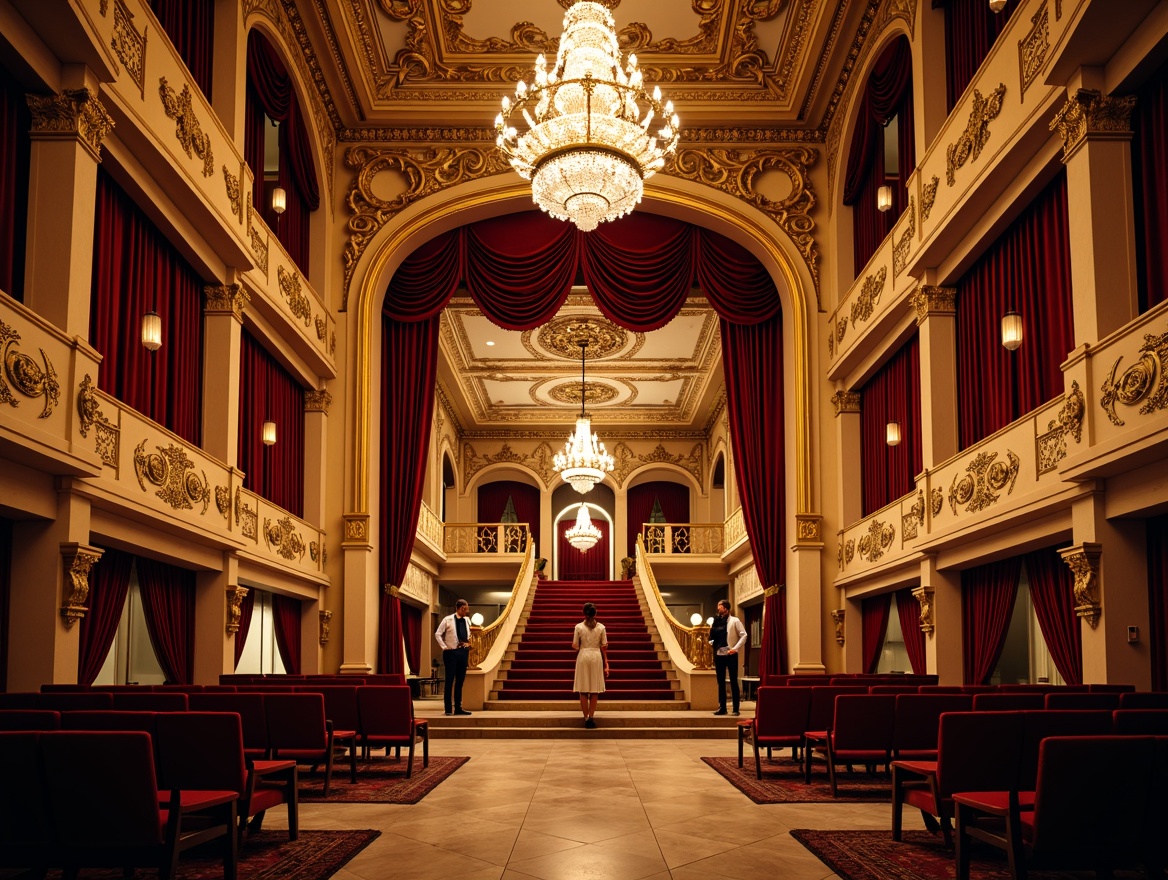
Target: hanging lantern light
<point>997,6</point>
<point>584,535</point>
<point>892,433</point>
<point>584,460</point>
<point>269,432</point>
<point>1012,330</point>
<point>152,331</point>
<point>884,198</point>
<point>279,200</point>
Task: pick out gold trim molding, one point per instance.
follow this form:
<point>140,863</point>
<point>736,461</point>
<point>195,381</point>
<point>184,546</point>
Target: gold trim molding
<point>356,530</point>
<point>837,618</point>
<point>924,595</point>
<point>977,131</point>
<point>1083,561</point>
<point>235,596</point>
<point>929,300</point>
<point>808,528</point>
<point>1090,115</point>
<point>226,299</point>
<point>74,113</point>
<point>846,402</point>
<point>79,560</point>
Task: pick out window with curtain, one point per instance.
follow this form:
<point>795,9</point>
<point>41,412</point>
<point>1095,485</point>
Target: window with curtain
<point>642,499</point>
<point>493,498</point>
<point>15,146</point>
<point>971,29</point>
<point>260,654</point>
<point>591,565</point>
<point>190,24</point>
<point>1150,188</point>
<point>893,394</point>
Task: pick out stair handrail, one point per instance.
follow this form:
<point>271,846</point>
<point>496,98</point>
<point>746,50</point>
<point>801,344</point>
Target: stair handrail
<point>485,640</point>
<point>692,641</point>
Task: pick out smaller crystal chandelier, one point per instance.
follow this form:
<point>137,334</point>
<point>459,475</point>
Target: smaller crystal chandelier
<point>584,460</point>
<point>584,535</point>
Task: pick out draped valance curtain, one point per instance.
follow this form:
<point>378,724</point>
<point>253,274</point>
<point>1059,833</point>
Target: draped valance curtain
<point>519,270</point>
<point>15,146</point>
<point>674,499</point>
<point>190,24</point>
<point>893,394</point>
<point>1150,186</point>
<point>1028,269</point>
<point>268,391</point>
<point>971,29</point>
<point>524,498</point>
<point>987,603</point>
<point>136,270</point>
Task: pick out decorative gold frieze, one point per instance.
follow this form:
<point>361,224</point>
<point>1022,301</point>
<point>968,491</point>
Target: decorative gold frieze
<point>75,113</point>
<point>984,478</point>
<point>1033,47</point>
<point>1083,561</point>
<point>317,401</point>
<point>924,595</point>
<point>25,374</point>
<point>79,560</point>
<point>259,243</point>
<point>224,299</point>
<point>929,300</point>
<point>234,193</point>
<point>246,518</point>
<point>88,406</point>
<point>189,132</point>
<point>928,197</point>
<point>326,618</point>
<point>846,402</point>
<point>1138,380</point>
<point>734,171</point>
<point>837,618</point>
<point>865,301</point>
<point>1091,115</point>
<point>298,302</point>
<point>356,528</point>
<point>281,536</point>
<point>977,131</point>
<point>174,473</point>
<point>538,461</point>
<point>841,329</point>
<point>902,245</point>
<point>223,502</point>
<point>235,596</point>
<point>333,344</point>
<point>1051,446</point>
<point>129,45</point>
<point>879,538</point>
<point>564,334</point>
<point>808,528</point>
<point>627,461</point>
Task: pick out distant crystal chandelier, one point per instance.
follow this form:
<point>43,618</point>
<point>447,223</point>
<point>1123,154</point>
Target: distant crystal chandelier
<point>586,147</point>
<point>584,460</point>
<point>584,535</point>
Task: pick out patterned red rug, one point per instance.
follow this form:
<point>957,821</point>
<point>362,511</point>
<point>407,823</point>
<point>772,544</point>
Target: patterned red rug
<point>379,781</point>
<point>874,855</point>
<point>782,783</point>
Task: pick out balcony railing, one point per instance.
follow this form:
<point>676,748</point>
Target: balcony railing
<point>682,538</point>
<point>484,640</point>
<point>694,641</point>
<point>500,538</point>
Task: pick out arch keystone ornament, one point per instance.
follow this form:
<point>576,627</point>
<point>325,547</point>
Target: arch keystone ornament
<point>1083,561</point>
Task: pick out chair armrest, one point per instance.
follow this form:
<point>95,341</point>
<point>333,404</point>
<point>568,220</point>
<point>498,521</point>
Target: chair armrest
<point>260,769</point>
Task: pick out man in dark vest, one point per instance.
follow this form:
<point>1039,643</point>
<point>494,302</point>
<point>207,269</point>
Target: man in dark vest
<point>727,636</point>
<point>453,635</point>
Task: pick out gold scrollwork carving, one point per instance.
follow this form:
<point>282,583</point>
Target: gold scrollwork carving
<point>314,551</point>
<point>191,137</point>
<point>846,402</point>
<point>73,113</point>
<point>838,616</point>
<point>1091,114</point>
<point>235,596</point>
<point>985,477</point>
<point>321,328</point>
<point>807,527</point>
<point>902,245</point>
<point>924,595</point>
<point>298,302</point>
<point>849,550</point>
<point>912,521</point>
<point>246,518</point>
<point>841,329</point>
<point>356,527</point>
<point>539,460</point>
<point>226,298</point>
<point>1138,380</point>
<point>326,618</point>
<point>223,501</point>
<point>879,538</point>
<point>259,244</point>
<point>174,473</point>
<point>79,560</point>
<point>1051,446</point>
<point>928,197</point>
<point>234,193</point>
<point>1083,561</point>
<point>977,131</point>
<point>869,295</point>
<point>25,374</point>
<point>1033,47</point>
<point>936,501</point>
<point>930,300</point>
<point>282,537</point>
<point>129,45</point>
<point>317,401</point>
<point>88,406</point>
<point>627,461</point>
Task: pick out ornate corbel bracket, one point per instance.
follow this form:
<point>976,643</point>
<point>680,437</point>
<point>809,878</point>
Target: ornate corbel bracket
<point>837,617</point>
<point>79,560</point>
<point>929,300</point>
<point>1083,561</point>
<point>235,596</point>
<point>326,618</point>
<point>924,595</point>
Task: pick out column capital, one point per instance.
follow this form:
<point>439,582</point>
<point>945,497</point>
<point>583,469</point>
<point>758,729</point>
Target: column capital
<point>317,401</point>
<point>846,402</point>
<point>929,300</point>
<point>1083,561</point>
<point>226,299</point>
<point>74,113</point>
<point>1088,114</point>
<point>79,560</point>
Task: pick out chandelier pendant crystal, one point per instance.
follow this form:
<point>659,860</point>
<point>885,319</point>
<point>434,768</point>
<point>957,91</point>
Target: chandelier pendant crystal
<point>584,535</point>
<point>584,460</point>
<point>586,146</point>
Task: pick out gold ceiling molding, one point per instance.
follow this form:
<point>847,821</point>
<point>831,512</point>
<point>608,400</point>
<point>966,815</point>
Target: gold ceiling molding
<point>595,393</point>
<point>538,461</point>
<point>74,113</point>
<point>563,334</point>
<point>833,121</point>
<point>628,461</point>
<point>733,171</point>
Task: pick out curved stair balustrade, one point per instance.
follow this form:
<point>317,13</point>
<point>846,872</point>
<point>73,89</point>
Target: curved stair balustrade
<point>483,656</point>
<point>689,647</point>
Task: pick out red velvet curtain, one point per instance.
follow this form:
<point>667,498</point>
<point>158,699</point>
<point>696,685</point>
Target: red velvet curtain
<point>286,618</point>
<point>190,24</point>
<point>874,619</point>
<point>412,635</point>
<point>524,498</point>
<point>135,269</point>
<point>1157,528</point>
<point>908,610</point>
<point>109,583</point>
<point>1052,589</point>
<point>987,602</point>
<point>893,394</point>
<point>674,499</point>
<point>591,565</point>
<point>1150,187</point>
<point>971,29</point>
<point>15,145</point>
<point>246,607</point>
<point>168,604</point>
<point>1027,269</point>
<point>268,391</point>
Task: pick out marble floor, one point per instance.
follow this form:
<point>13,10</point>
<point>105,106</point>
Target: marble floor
<point>587,810</point>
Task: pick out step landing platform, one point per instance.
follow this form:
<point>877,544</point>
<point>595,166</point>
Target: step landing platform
<point>561,719</point>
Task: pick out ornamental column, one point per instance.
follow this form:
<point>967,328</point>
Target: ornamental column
<point>1096,133</point>
<point>940,598</point>
<point>217,598</point>
<point>936,309</point>
<point>223,306</point>
<point>362,598</point>
<point>849,496</point>
<point>805,596</point>
<point>67,131</point>
<point>316,407</point>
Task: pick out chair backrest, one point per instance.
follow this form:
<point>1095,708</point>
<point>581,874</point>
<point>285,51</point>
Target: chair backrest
<point>892,688</point>
<point>1007,702</point>
<point>1096,818</point>
<point>940,689</point>
<point>918,719</point>
<point>1140,722</point>
<point>386,710</point>
<point>781,711</point>
<point>1028,688</point>
<point>864,721</point>
<point>1144,700</point>
<point>63,688</point>
<point>68,702</point>
<point>29,719</point>
<point>265,688</point>
<point>154,701</point>
<point>1111,688</point>
<point>808,680</point>
<point>19,700</point>
<point>296,721</point>
<point>109,719</point>
<point>978,751</point>
<point>822,710</point>
<point>340,704</point>
<point>250,709</point>
<point>177,688</point>
<point>385,678</point>
<point>1080,700</point>
<point>102,789</point>
<point>24,805</point>
<point>201,750</point>
<point>1038,725</point>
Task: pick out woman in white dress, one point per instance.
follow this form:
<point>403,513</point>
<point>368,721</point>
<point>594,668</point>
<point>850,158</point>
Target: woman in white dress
<point>591,645</point>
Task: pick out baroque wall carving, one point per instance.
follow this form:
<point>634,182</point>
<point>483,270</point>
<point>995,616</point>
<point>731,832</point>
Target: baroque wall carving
<point>928,197</point>
<point>846,402</point>
<point>226,299</point>
<point>628,461</point>
<point>902,245</point>
<point>317,401</point>
<point>924,595</point>
<point>865,302</point>
<point>174,473</point>
<point>282,538</point>
<point>235,596</point>
<point>190,134</point>
<point>26,374</point>
<point>929,300</point>
<point>1143,382</point>
<point>539,461</point>
<point>985,477</point>
<point>129,45</point>
<point>1083,561</point>
<point>1032,49</point>
<point>1090,114</point>
<point>977,131</point>
<point>246,517</point>
<point>1051,446</point>
<point>74,113</point>
<point>79,560</point>
<point>879,538</point>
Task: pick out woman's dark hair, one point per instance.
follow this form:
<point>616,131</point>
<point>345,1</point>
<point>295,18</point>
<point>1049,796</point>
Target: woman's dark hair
<point>589,614</point>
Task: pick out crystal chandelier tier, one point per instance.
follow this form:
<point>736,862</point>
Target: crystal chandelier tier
<point>584,460</point>
<point>584,535</point>
<point>586,145</point>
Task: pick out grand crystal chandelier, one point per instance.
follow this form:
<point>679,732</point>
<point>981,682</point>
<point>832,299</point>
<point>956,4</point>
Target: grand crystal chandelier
<point>584,535</point>
<point>586,145</point>
<point>584,460</point>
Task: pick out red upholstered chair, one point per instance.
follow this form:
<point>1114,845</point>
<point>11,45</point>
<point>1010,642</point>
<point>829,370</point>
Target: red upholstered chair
<point>340,704</point>
<point>892,688</point>
<point>1144,700</point>
<point>973,749</point>
<point>206,749</point>
<point>20,700</point>
<point>1080,700</point>
<point>861,733</point>
<point>940,689</point>
<point>387,720</point>
<point>26,838</point>
<point>780,719</point>
<point>918,720</point>
<point>104,805</point>
<point>1138,722</point>
<point>152,701</point>
<point>109,719</point>
<point>252,717</point>
<point>1111,688</point>
<point>298,729</point>
<point>1079,821</point>
<point>63,688</point>
<point>29,719</point>
<point>1037,726</point>
<point>822,709</point>
<point>385,678</point>
<point>69,702</point>
<point>1012,701</point>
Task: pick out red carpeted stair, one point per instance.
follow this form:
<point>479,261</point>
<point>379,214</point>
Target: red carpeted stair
<point>545,662</point>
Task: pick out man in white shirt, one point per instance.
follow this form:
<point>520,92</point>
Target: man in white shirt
<point>453,635</point>
<point>727,635</point>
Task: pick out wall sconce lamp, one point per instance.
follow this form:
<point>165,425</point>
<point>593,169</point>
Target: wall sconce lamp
<point>279,200</point>
<point>1011,330</point>
<point>152,331</point>
<point>695,619</point>
<point>884,198</point>
<point>476,619</point>
<point>269,432</point>
<point>997,5</point>
<point>892,433</point>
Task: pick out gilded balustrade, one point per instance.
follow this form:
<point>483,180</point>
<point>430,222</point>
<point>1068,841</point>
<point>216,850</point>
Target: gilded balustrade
<point>501,538</point>
<point>693,640</point>
<point>484,639</point>
<point>682,538</point>
<point>429,525</point>
<point>734,529</point>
